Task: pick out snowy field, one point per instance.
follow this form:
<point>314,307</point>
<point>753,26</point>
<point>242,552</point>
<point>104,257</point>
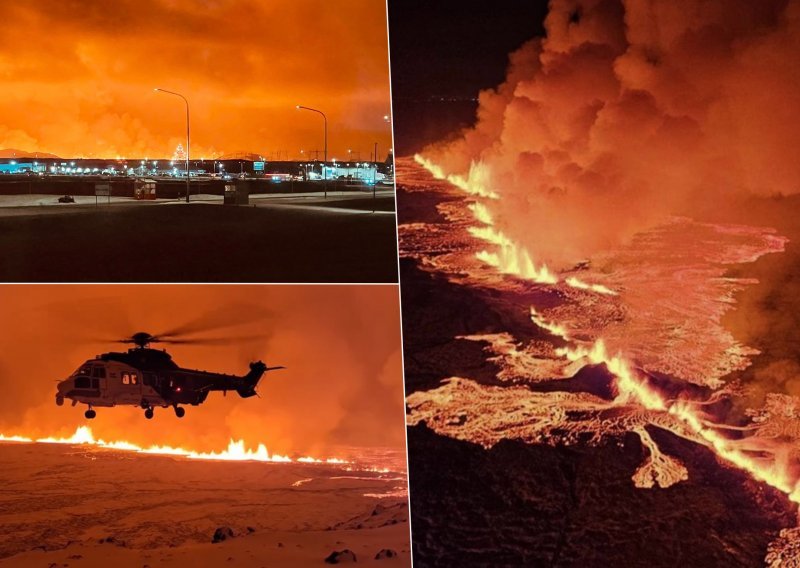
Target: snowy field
<point>84,507</point>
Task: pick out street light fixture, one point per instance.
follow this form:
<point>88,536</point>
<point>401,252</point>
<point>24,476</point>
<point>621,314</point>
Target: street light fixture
<point>187,134</point>
<point>325,163</point>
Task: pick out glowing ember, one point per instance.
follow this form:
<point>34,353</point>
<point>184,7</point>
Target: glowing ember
<point>236,450</point>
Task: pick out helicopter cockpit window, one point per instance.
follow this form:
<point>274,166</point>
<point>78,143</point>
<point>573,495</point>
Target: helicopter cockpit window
<point>95,383</point>
<point>82,383</point>
<point>82,370</point>
<point>99,372</point>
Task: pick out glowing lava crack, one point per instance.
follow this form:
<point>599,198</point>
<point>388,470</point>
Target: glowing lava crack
<point>464,409</point>
<point>236,450</point>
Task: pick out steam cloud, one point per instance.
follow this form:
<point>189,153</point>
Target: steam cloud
<point>632,110</point>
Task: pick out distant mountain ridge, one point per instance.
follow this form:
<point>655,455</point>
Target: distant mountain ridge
<point>14,153</point>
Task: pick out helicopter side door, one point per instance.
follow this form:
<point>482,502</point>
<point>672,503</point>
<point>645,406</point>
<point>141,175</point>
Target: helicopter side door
<point>99,382</point>
<point>151,383</point>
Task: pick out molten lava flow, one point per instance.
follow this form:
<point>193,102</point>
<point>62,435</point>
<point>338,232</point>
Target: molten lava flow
<point>467,410</point>
<point>599,288</point>
<point>14,439</point>
<point>659,468</point>
<point>480,212</point>
<point>627,384</point>
<point>510,258</point>
<point>553,328</point>
<point>633,389</point>
<point>475,183</point>
<point>530,362</point>
<point>236,450</point>
<point>517,262</point>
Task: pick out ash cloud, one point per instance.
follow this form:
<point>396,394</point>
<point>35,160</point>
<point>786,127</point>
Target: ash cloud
<point>629,111</point>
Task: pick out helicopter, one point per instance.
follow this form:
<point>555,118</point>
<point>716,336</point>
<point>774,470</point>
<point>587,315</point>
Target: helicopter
<point>148,378</point>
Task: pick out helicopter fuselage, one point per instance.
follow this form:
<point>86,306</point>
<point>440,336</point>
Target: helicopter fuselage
<point>148,378</point>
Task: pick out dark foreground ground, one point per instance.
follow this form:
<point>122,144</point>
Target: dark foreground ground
<point>202,243</point>
<point>535,505</point>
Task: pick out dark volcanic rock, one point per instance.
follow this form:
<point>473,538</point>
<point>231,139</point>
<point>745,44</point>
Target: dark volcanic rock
<point>341,557</point>
<point>221,534</point>
<point>380,516</point>
<point>386,553</point>
<point>529,505</point>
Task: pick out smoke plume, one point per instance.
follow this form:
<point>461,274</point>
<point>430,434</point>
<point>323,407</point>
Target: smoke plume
<point>628,111</point>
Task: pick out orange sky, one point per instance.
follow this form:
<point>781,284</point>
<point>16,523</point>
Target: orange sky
<point>78,77</point>
<point>340,344</point>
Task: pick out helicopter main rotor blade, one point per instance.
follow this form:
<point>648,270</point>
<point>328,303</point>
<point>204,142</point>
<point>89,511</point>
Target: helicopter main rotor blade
<point>209,340</point>
<point>220,318</point>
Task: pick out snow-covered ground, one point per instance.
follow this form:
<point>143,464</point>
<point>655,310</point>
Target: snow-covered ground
<point>84,507</point>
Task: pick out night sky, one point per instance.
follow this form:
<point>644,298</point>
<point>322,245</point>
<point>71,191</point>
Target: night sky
<point>450,49</point>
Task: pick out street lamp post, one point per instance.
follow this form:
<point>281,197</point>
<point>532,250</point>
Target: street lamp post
<point>325,163</point>
<point>187,134</point>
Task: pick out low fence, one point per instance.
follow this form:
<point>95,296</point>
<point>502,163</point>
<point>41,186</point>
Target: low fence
<point>165,188</point>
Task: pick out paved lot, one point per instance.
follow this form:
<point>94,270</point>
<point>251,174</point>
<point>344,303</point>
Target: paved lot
<point>201,242</point>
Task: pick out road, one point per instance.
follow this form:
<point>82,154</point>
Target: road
<point>290,239</point>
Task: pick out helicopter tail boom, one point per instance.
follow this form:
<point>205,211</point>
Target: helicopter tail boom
<point>251,379</point>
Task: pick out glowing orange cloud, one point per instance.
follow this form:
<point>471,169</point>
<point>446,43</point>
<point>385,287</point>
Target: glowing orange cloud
<point>84,86</point>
